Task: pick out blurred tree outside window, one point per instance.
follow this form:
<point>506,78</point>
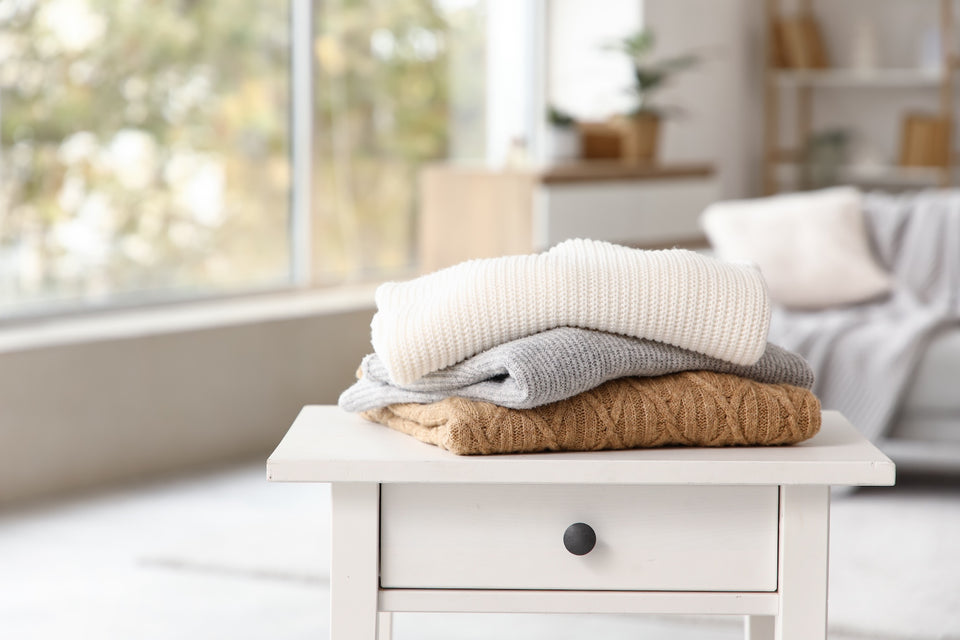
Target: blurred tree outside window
<point>143,149</point>
<point>145,144</point>
<point>397,83</point>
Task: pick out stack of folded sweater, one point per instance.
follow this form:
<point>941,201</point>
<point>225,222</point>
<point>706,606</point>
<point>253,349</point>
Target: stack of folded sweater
<point>588,346</point>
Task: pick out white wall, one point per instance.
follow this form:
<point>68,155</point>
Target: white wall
<point>581,77</point>
<point>74,416</point>
<point>722,97</point>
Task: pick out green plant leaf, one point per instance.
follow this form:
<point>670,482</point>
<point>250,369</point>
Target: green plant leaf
<point>559,118</point>
<point>648,75</point>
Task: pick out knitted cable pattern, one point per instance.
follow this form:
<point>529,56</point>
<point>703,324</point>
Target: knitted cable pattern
<point>693,408</point>
<point>674,296</point>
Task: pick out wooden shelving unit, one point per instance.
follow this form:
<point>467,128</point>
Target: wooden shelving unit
<point>779,161</point>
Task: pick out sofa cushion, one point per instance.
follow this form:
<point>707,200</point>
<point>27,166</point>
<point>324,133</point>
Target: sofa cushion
<point>811,247</point>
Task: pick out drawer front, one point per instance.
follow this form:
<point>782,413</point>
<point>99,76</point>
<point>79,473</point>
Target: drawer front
<point>648,538</point>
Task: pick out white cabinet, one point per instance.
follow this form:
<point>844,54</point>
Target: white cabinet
<point>735,530</point>
<point>471,212</point>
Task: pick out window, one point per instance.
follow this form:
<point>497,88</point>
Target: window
<point>144,149</point>
<point>189,148</point>
<point>397,83</point>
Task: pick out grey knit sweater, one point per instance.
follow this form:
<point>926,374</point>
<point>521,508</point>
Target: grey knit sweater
<point>558,364</point>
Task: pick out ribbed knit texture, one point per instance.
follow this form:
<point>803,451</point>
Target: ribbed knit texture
<point>674,296</point>
<point>557,364</point>
<point>693,408</point>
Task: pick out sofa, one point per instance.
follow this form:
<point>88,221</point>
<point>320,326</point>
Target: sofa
<point>925,432</point>
<point>866,286</point>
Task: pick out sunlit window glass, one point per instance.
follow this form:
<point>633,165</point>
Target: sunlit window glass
<point>398,83</point>
<point>143,149</point>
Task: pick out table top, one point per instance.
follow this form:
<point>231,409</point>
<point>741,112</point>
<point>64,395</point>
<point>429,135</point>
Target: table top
<point>327,444</point>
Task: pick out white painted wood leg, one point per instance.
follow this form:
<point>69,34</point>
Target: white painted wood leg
<point>384,625</point>
<point>354,572</point>
<point>804,536</point>
<point>759,627</point>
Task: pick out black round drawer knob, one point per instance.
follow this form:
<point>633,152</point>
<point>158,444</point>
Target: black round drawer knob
<point>579,539</point>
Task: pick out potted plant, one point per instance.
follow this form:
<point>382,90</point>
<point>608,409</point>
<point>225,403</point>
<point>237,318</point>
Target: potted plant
<point>640,127</point>
<point>562,141</point>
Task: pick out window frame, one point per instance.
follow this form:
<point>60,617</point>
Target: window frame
<point>299,228</point>
<point>301,144</point>
<point>529,70</point>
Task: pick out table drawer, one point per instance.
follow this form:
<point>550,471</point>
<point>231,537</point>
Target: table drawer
<point>648,538</point>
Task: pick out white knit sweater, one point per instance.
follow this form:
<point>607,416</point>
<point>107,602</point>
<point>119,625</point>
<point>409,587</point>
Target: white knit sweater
<point>679,297</point>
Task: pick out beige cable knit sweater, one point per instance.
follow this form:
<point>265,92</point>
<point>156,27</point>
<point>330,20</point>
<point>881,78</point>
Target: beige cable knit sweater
<point>696,408</point>
<point>678,297</point>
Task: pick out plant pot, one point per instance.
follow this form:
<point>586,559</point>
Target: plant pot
<point>561,144</point>
<point>640,135</point>
<point>599,140</point>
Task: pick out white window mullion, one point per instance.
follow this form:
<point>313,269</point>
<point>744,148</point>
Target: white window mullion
<point>301,140</point>
<point>514,76</point>
<point>537,76</point>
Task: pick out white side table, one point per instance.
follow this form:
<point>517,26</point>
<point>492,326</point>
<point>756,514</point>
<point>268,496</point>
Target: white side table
<point>739,531</point>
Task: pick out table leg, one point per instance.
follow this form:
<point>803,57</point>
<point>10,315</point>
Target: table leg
<point>804,539</point>
<point>385,625</point>
<point>760,627</point>
<point>354,571</point>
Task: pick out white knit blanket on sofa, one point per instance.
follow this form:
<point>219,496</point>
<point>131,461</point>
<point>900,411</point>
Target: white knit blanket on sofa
<point>674,296</point>
<point>865,355</point>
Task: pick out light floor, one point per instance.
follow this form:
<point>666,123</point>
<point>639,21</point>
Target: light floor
<point>228,555</point>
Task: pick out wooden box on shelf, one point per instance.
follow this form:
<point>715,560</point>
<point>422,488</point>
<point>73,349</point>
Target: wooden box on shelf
<point>599,141</point>
<point>925,141</point>
<point>639,135</point>
<point>631,139</point>
<point>798,43</point>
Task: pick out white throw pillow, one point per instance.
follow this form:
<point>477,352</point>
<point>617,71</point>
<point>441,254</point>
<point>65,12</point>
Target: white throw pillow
<point>811,247</point>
